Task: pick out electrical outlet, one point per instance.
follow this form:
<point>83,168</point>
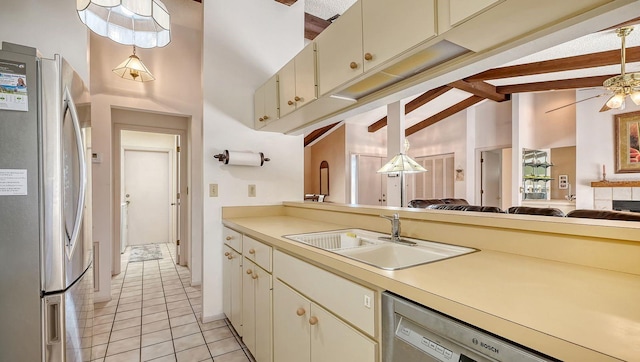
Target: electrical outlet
<point>252,190</point>
<point>213,190</point>
<point>367,301</point>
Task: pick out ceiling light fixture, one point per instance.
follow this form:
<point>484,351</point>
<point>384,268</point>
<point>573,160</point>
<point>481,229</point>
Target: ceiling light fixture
<point>143,23</point>
<point>625,84</point>
<point>133,69</point>
<point>402,163</point>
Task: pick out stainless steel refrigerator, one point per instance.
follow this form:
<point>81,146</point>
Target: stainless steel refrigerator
<point>46,276</point>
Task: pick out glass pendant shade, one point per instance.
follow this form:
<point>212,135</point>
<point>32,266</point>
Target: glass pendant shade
<point>143,23</point>
<point>133,69</point>
<point>635,97</point>
<point>616,100</point>
<point>402,163</point>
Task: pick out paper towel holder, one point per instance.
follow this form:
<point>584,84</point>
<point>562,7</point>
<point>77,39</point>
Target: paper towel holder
<point>224,157</point>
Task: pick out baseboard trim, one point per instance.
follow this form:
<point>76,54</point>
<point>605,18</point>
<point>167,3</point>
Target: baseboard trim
<point>213,318</point>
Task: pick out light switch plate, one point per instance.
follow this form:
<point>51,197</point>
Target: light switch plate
<point>252,190</point>
<point>213,190</point>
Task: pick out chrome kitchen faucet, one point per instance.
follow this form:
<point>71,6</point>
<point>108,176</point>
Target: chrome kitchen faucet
<point>395,230</point>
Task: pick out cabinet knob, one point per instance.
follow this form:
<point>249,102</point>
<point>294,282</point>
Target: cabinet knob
<point>254,276</point>
<point>313,320</point>
<point>231,237</point>
<point>290,103</point>
<point>230,257</point>
<point>249,271</point>
<point>227,253</point>
<point>252,251</point>
<point>261,119</point>
<point>300,312</point>
<point>266,117</point>
<point>297,99</point>
<point>353,65</point>
<point>368,56</point>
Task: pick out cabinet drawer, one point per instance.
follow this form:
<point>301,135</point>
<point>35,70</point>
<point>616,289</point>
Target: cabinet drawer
<point>257,252</point>
<point>232,238</point>
<point>351,301</point>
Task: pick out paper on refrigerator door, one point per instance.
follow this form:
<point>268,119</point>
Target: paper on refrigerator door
<point>13,182</point>
<point>13,86</point>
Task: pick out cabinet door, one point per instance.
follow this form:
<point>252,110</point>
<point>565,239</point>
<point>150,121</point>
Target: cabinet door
<point>271,99</point>
<point>258,108</point>
<point>287,88</point>
<point>263,315</point>
<point>236,291</point>
<point>306,84</point>
<point>226,281</point>
<point>340,50</point>
<point>248,306</point>
<point>291,341</point>
<point>265,103</point>
<point>333,340</point>
<point>391,30</point>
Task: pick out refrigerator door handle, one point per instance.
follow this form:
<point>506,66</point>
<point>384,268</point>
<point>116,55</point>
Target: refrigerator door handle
<point>52,318</point>
<point>70,105</point>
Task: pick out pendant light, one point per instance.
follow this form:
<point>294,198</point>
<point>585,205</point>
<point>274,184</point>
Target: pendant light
<point>143,23</point>
<point>401,164</point>
<point>133,69</point>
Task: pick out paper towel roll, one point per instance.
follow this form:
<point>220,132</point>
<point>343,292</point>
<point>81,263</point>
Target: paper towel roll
<point>244,158</point>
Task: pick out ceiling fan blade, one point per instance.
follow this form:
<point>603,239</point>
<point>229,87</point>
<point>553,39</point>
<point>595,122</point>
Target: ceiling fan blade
<point>604,108</point>
<point>570,104</point>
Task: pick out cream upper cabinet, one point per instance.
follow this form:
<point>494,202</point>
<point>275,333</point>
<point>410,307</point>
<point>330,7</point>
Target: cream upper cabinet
<point>256,311</point>
<point>304,331</point>
<point>297,81</point>
<point>460,10</point>
<point>265,103</point>
<point>390,29</point>
<point>340,50</point>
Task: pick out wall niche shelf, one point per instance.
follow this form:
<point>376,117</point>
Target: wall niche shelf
<point>615,183</point>
<point>535,171</point>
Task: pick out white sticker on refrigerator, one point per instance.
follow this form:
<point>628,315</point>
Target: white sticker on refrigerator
<point>13,182</point>
<point>13,86</point>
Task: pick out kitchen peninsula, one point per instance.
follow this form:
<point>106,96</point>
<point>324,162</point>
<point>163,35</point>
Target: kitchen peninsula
<point>566,288</point>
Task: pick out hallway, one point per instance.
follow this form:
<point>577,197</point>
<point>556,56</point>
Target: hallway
<point>155,316</point>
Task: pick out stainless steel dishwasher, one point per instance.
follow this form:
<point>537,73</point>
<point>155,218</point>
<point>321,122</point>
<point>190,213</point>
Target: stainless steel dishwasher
<point>412,332</point>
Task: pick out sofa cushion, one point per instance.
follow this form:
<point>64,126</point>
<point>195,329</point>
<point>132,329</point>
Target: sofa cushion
<point>545,211</point>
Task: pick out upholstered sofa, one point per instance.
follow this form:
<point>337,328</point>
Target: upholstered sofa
<point>544,211</point>
<point>423,203</point>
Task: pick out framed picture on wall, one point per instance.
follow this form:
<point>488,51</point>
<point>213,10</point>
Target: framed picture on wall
<point>627,148</point>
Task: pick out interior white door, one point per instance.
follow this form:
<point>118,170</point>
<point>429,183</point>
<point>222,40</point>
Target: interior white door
<point>147,188</point>
<point>176,203</point>
<point>491,178</point>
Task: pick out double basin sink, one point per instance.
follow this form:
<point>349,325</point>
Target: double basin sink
<point>378,250</point>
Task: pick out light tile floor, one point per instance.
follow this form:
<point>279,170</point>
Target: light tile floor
<point>154,315</point>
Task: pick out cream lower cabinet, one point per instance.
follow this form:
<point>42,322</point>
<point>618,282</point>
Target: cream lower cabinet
<point>304,331</point>
<point>256,311</point>
<point>232,287</point>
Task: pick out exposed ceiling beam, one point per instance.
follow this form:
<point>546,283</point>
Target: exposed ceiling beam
<point>444,114</point>
<point>416,103</point>
<point>574,83</point>
<point>287,2</point>
<point>610,57</point>
<point>314,135</point>
<point>480,89</point>
<point>313,26</point>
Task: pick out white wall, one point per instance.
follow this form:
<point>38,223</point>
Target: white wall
<point>51,26</point>
<point>595,142</point>
<point>245,42</point>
